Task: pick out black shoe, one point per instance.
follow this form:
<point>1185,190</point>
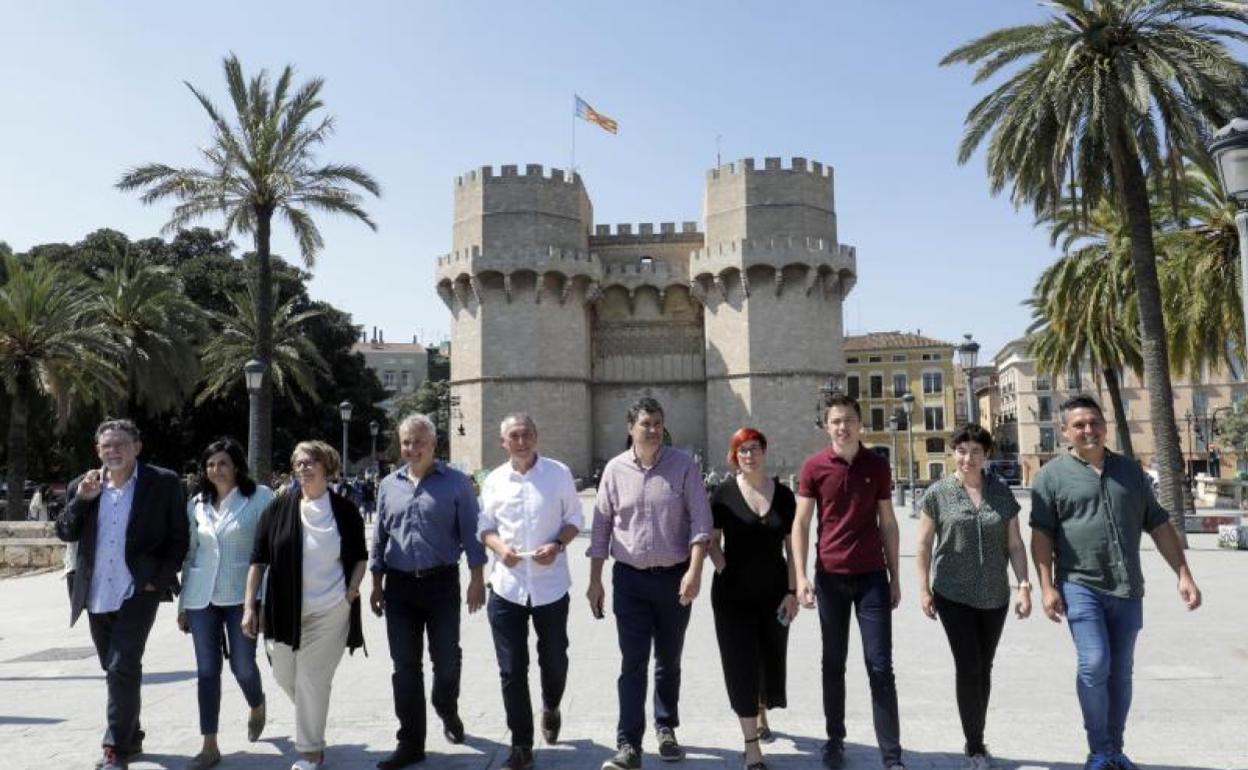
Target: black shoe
<point>402,756</point>
<point>765,734</point>
<point>551,722</point>
<point>127,756</point>
<point>669,749</point>
<point>112,760</point>
<point>626,758</point>
<point>520,758</point>
<point>833,755</point>
<point>453,728</point>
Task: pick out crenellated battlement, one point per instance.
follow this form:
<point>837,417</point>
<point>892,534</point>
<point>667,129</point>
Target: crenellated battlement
<point>769,166</point>
<point>644,229</point>
<point>777,253</point>
<point>533,172</point>
<point>467,263</point>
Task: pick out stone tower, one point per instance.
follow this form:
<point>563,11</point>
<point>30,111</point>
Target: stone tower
<point>772,277</point>
<point>517,281</point>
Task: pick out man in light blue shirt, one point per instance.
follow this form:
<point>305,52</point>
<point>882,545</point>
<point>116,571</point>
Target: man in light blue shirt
<point>426,516</point>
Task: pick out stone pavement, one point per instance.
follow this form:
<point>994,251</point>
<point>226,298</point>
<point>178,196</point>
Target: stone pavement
<point>1191,693</point>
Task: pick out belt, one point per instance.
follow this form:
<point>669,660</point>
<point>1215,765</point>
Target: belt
<point>438,571</point>
<point>684,565</point>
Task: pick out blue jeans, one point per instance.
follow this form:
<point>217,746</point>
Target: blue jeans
<point>211,629</point>
<point>416,607</point>
<point>867,596</point>
<point>648,613</point>
<point>1104,629</point>
<point>509,623</point>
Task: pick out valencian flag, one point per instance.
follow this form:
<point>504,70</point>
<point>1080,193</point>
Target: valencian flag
<point>585,112</point>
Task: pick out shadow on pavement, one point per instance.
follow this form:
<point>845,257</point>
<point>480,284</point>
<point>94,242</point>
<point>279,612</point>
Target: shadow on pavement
<point>29,720</point>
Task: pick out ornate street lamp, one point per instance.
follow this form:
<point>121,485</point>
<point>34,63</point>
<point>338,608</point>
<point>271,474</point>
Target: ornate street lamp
<point>1230,154</point>
<point>907,406</point>
<point>833,385</point>
<point>373,427</point>
<point>893,423</point>
<point>968,354</point>
<point>253,376</point>
<point>344,411</point>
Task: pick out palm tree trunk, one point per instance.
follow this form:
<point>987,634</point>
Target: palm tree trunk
<point>19,413</point>
<point>1122,426</point>
<point>264,345</point>
<point>1134,200</point>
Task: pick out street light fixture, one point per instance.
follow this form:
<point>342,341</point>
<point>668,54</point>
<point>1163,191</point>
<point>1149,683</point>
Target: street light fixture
<point>833,385</point>
<point>968,355</point>
<point>373,427</point>
<point>344,411</point>
<point>253,377</point>
<point>907,406</point>
<point>893,423</point>
<point>1229,149</point>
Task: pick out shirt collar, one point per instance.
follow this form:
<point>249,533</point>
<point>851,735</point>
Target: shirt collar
<point>134,475</point>
<point>658,457</point>
<point>404,472</point>
<point>537,459</point>
<point>838,459</point>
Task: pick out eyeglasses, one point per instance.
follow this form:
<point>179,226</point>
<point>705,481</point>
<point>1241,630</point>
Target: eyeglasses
<point>747,451</point>
<point>302,464</point>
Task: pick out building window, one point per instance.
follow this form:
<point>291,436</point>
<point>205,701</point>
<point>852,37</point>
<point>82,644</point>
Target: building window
<point>935,471</point>
<point>851,386</point>
<point>1200,403</point>
<point>1074,378</point>
<point>900,385</point>
<point>388,379</point>
<point>931,356</point>
<point>647,263</point>
<point>933,382</point>
<point>933,418</point>
<point>899,357</point>
<point>935,446</point>
<point>1045,412</point>
<point>877,418</point>
<point>405,379</point>
<point>874,359</point>
<point>852,360</point>
<point>876,384</point>
<point>1042,382</point>
<point>1048,440</point>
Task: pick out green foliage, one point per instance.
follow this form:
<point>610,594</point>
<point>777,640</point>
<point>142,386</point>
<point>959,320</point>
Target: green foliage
<point>1233,429</point>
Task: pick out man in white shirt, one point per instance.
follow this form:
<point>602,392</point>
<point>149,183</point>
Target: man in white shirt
<point>529,513</point>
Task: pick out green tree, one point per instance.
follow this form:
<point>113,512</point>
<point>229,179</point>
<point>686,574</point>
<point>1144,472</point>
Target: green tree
<point>262,165</point>
<point>1110,92</point>
<point>51,346</point>
<point>432,398</point>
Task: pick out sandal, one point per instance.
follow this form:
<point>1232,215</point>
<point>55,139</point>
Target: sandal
<point>255,723</point>
<point>765,734</point>
<point>204,760</point>
<point>760,764</point>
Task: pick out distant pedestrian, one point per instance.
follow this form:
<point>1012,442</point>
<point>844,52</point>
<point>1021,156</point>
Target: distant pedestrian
<point>972,517</point>
<point>1089,507</point>
<point>855,572</point>
<point>426,516</point>
<point>754,593</point>
<point>530,512</point>
<point>129,520</point>
<point>311,545</point>
<point>38,509</point>
<point>223,514</point>
<point>652,516</point>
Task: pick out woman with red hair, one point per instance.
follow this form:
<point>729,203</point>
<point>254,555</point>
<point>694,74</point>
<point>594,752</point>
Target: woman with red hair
<point>753,594</point>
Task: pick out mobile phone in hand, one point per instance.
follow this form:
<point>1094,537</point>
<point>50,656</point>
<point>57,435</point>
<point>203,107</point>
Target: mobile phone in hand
<point>782,617</point>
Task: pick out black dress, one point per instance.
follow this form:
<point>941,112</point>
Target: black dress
<point>746,597</point>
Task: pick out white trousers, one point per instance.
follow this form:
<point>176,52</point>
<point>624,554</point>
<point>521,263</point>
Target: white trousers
<point>307,673</point>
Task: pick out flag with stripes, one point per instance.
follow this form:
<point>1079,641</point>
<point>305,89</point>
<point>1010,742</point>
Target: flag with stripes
<point>585,112</point>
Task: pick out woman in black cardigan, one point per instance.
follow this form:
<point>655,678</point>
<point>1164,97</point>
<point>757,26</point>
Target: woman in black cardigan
<point>312,544</point>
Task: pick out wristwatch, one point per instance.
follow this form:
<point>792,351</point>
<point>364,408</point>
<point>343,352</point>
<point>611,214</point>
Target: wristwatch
<point>1025,585</point>
<point>562,545</point>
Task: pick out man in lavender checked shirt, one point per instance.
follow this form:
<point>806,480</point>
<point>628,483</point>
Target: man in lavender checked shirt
<point>653,517</point>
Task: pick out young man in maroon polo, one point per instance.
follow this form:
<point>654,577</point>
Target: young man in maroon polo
<point>855,570</point>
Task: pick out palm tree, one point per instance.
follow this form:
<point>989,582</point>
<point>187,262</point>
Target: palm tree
<point>1084,305</point>
<point>260,166</point>
<point>52,346</point>
<point>296,361</point>
<point>157,326</point>
<point>1108,93</point>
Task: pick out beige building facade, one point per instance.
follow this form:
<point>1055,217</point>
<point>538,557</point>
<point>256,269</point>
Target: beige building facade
<point>738,323</point>
<point>401,367</point>
<point>880,368</point>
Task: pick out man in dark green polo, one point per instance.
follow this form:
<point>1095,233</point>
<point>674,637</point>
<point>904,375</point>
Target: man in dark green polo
<point>1089,508</point>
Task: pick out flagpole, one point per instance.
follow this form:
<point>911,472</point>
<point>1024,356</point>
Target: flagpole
<point>572,171</point>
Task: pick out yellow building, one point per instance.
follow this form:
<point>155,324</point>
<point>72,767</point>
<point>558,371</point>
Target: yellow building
<point>881,367</point>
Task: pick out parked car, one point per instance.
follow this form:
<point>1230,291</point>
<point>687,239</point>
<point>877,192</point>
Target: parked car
<point>1007,470</point>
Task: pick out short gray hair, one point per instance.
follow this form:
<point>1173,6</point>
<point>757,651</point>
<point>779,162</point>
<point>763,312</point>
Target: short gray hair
<point>520,417</point>
<point>415,421</point>
<point>118,424</point>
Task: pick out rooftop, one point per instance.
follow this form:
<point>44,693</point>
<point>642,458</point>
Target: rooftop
<point>891,341</point>
<point>387,347</point>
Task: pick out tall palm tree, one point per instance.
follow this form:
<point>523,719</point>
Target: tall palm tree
<point>1084,306</point>
<point>51,345</point>
<point>1109,92</point>
<point>263,164</point>
<point>157,326</point>
<point>295,361</point>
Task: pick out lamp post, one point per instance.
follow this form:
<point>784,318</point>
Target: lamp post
<point>968,354</point>
<point>253,376</point>
<point>833,385</point>
<point>1191,447</point>
<point>1229,149</point>
<point>893,422</point>
<point>907,406</point>
<point>373,427</point>
<point>344,411</point>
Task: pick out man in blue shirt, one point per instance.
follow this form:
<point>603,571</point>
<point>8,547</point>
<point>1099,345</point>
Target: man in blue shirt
<point>426,516</point>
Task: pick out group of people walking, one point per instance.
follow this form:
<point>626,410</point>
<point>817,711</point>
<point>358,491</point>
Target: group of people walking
<point>290,567</point>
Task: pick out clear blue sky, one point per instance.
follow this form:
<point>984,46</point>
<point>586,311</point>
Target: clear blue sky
<point>424,91</point>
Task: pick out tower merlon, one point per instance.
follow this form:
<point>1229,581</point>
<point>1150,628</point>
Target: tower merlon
<point>511,172</point>
<point>632,232</point>
<point>797,165</point>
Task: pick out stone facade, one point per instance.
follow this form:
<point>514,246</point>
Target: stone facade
<point>572,321</point>
<point>30,545</point>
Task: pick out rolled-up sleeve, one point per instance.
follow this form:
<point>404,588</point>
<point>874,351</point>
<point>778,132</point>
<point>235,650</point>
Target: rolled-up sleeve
<point>381,535</point>
<point>572,514</point>
<point>604,520</point>
<point>468,511</point>
<point>487,521</point>
<point>1043,515</point>
<point>698,506</point>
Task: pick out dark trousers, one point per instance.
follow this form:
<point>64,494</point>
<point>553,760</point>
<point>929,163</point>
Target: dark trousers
<point>867,596</point>
<point>753,646</point>
<point>648,614</point>
<point>416,607</point>
<point>973,635</point>
<point>211,628</point>
<point>509,623</point>
<point>120,638</point>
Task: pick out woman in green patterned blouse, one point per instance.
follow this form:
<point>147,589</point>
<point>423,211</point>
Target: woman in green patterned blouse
<point>972,517</point>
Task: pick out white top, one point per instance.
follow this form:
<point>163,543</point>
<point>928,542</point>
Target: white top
<point>528,510</point>
<point>111,581</point>
<point>324,585</point>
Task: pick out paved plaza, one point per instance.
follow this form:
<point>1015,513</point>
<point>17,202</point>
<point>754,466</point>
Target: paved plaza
<point>1190,713</point>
